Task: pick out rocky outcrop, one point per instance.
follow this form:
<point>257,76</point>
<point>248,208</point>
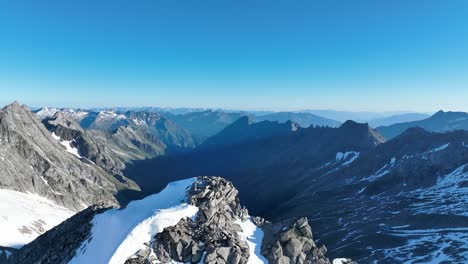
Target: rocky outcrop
<point>292,243</point>
<point>214,234</point>
<point>213,237</point>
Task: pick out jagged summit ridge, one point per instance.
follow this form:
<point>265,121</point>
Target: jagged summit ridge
<point>212,227</point>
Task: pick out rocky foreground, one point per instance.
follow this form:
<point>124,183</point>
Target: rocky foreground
<point>217,233</point>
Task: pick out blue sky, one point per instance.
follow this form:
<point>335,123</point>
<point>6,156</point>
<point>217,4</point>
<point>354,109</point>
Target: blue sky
<point>257,54</point>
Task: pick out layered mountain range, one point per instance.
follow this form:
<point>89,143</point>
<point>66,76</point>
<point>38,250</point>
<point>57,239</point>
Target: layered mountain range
<point>439,122</point>
<point>405,195</point>
<point>398,198</point>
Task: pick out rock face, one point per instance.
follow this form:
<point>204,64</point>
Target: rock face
<point>112,139</point>
<point>31,160</point>
<point>89,145</point>
<point>292,243</point>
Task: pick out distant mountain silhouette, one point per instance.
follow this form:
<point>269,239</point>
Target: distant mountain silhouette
<point>394,119</point>
<point>439,122</point>
<point>203,125</point>
<point>245,130</point>
<point>303,119</point>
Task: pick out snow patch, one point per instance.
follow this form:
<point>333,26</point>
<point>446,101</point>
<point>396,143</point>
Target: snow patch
<point>7,253</point>
<point>25,216</point>
<point>347,157</point>
<point>382,171</point>
<point>340,261</point>
<point>119,234</point>
<point>67,145</point>
<point>110,115</point>
<point>437,149</point>
<point>447,196</point>
<point>254,236</point>
<point>139,122</point>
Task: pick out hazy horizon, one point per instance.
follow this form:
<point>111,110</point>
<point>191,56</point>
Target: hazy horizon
<point>104,107</point>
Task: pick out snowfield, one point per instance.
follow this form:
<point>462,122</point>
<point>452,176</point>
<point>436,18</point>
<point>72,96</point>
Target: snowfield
<point>254,236</point>
<point>67,145</point>
<point>25,216</point>
<point>119,234</point>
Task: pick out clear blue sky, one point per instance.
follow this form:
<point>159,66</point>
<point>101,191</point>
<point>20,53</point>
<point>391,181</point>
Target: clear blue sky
<point>256,54</point>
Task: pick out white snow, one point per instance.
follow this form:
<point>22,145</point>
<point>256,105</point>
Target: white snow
<point>25,216</point>
<point>382,171</point>
<point>70,149</point>
<point>67,145</point>
<point>139,122</point>
<point>438,149</point>
<point>362,190</point>
<point>7,253</point>
<point>75,114</point>
<point>254,236</point>
<point>110,115</point>
<point>440,243</point>
<point>119,234</point>
<point>446,196</point>
<point>348,157</point>
<point>46,112</point>
<point>339,261</point>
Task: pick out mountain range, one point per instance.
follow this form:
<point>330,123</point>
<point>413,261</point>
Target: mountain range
<point>127,186</point>
<point>439,122</point>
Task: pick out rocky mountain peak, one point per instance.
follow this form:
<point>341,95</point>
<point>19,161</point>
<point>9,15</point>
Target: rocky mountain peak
<point>16,108</point>
<point>243,121</point>
<point>221,232</point>
<point>14,105</point>
<point>354,128</point>
<point>64,120</point>
<point>350,124</point>
<point>448,115</point>
<point>33,161</point>
<point>414,131</point>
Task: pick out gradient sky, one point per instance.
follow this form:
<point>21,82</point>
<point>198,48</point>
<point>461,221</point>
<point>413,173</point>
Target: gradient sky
<point>256,54</point>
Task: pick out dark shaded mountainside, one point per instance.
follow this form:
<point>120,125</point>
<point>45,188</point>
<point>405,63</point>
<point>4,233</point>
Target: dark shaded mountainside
<point>399,200</point>
<point>263,162</point>
<point>205,124</point>
<point>245,130</point>
<point>439,122</point>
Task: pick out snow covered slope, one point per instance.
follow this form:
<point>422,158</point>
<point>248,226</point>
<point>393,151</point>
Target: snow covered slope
<point>118,234</point>
<point>25,216</point>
